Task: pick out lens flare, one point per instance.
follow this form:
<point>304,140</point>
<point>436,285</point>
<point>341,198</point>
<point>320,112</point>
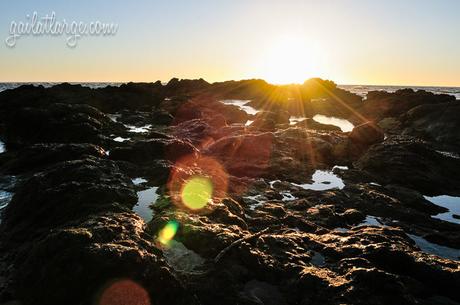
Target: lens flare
<point>168,232</point>
<point>196,181</point>
<point>124,292</point>
<point>197,192</point>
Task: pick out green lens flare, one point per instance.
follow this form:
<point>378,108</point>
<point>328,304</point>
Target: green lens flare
<point>168,232</point>
<point>197,192</point>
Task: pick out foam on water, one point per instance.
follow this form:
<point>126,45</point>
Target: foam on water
<point>343,124</point>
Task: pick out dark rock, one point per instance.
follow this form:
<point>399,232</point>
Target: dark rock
<point>312,124</point>
<point>411,163</point>
<point>261,238</point>
<point>435,122</point>
<point>61,123</point>
<point>268,120</point>
<point>65,192</point>
<point>145,151</point>
<point>38,156</point>
<point>381,104</point>
<point>367,133</point>
<point>100,249</point>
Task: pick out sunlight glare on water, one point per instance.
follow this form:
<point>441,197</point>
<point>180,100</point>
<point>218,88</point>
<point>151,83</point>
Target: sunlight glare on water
<point>343,124</point>
<point>242,104</point>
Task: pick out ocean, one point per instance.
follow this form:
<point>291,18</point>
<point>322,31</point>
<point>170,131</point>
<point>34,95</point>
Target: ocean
<point>363,89</point>
<point>357,89</point>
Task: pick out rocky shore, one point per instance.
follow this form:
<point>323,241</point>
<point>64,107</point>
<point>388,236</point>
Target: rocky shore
<point>228,193</point>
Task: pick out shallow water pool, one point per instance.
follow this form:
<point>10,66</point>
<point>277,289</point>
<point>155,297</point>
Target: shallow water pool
<point>343,124</point>
<point>242,104</point>
<point>121,140</point>
<point>145,199</point>
<point>142,129</point>
<point>435,249</point>
<point>323,180</point>
<point>449,202</point>
<point>139,180</point>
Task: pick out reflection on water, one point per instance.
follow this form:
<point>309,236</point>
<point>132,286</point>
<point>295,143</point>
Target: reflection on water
<point>2,147</point>
<point>288,196</point>
<point>296,119</point>
<point>323,180</point>
<point>371,221</point>
<point>114,117</point>
<point>362,90</point>
<point>145,199</point>
<point>142,129</point>
<point>341,167</point>
<point>7,184</point>
<point>343,124</point>
<point>449,154</point>
<point>5,198</point>
<point>248,122</point>
<point>121,140</point>
<point>318,259</point>
<point>435,249</point>
<point>138,180</point>
<point>242,105</point>
<point>448,202</point>
<point>255,201</point>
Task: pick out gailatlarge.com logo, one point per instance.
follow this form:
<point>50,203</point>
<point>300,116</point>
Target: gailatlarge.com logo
<point>48,25</point>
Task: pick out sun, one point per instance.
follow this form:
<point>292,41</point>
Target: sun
<point>289,60</point>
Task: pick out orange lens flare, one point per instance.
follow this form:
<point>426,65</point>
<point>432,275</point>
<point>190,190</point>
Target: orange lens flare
<point>196,181</point>
<point>124,292</point>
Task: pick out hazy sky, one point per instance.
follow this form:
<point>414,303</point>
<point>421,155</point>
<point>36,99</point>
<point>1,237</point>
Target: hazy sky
<point>407,42</point>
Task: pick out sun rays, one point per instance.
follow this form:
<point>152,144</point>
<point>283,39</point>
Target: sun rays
<point>289,59</point>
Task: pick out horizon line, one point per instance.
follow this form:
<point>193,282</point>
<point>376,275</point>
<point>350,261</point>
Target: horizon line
<point>245,79</point>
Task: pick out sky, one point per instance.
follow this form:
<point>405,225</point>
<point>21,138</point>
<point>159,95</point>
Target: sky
<point>411,42</point>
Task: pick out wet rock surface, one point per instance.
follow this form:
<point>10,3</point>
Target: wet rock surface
<point>245,208</point>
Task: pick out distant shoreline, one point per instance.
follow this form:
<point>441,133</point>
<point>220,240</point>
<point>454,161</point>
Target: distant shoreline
<point>361,90</point>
